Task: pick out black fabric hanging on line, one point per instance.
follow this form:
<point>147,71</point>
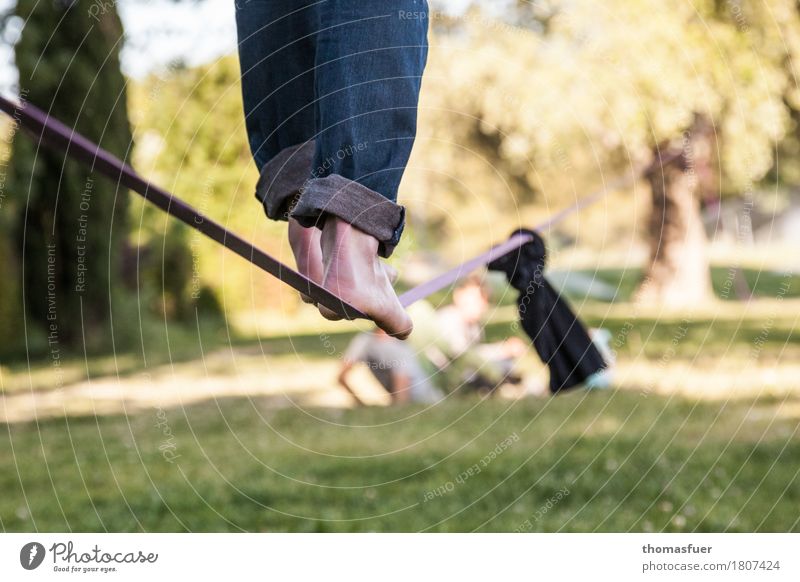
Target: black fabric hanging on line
<point>560,339</point>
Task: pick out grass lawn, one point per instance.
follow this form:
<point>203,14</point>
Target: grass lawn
<point>702,436</point>
<point>611,461</point>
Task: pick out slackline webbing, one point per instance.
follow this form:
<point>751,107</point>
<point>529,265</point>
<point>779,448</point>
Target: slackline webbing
<point>59,136</point>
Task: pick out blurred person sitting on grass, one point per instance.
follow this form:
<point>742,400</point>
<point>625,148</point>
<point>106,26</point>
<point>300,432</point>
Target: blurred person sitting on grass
<point>394,364</point>
<point>452,340</point>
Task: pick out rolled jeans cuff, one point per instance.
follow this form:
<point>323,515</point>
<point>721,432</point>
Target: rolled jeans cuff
<point>354,203</point>
<point>285,191</point>
<point>282,179</point>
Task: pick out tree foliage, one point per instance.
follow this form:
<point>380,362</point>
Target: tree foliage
<point>191,140</point>
<point>607,82</point>
<point>570,93</point>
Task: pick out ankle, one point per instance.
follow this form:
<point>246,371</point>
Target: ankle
<point>339,234</point>
<point>299,234</point>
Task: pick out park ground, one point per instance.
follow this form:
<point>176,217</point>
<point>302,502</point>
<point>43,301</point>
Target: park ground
<point>223,433</point>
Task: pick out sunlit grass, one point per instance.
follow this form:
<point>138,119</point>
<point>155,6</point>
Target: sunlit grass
<point>243,427</point>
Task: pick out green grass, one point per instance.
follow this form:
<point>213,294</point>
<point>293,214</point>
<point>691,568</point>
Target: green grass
<point>762,283</point>
<point>629,461</point>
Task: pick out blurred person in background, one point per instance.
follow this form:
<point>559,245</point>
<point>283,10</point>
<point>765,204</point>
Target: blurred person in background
<point>452,340</point>
<point>394,364</point>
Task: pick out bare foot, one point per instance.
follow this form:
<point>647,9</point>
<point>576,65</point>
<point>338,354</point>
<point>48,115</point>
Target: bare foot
<point>307,250</point>
<point>354,272</point>
<point>305,243</point>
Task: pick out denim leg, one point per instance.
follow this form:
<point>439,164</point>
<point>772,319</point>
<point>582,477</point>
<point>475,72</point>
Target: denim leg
<point>277,51</point>
<point>369,60</point>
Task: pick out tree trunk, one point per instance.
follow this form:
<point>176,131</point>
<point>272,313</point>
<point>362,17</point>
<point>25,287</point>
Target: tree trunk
<point>678,273</point>
<point>69,226</point>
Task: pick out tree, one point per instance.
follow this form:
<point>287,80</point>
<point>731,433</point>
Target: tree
<point>70,227</point>
<point>588,89</point>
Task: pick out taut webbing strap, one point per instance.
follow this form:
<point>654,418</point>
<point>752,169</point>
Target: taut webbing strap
<point>58,136</point>
<point>449,277</point>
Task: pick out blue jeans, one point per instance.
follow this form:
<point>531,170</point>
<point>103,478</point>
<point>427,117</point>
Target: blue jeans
<point>330,91</point>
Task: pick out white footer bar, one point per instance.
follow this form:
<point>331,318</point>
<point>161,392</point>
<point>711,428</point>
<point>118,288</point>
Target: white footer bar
<point>401,557</point>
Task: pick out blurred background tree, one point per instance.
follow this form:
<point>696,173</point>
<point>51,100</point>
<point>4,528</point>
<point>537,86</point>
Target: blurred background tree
<point>552,96</point>
<point>65,218</point>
